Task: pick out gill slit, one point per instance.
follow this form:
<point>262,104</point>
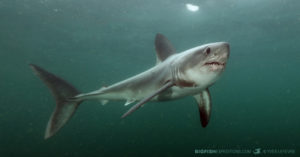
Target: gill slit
<point>175,74</point>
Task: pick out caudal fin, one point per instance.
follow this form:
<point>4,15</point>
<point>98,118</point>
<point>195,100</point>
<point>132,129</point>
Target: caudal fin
<point>61,90</point>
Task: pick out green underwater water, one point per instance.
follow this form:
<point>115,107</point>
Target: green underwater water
<point>93,43</point>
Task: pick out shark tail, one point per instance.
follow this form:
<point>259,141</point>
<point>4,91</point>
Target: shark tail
<point>62,91</point>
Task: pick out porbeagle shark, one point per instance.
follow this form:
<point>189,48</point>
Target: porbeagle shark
<point>176,75</point>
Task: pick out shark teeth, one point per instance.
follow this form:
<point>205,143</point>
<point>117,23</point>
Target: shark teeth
<point>214,63</point>
<point>213,66</point>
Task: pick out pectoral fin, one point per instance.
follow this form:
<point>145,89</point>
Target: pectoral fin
<point>204,104</point>
<point>139,104</point>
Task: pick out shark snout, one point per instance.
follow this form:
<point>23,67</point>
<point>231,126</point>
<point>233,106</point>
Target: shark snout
<point>226,47</point>
<point>220,55</point>
<point>222,51</point>
<point>223,45</point>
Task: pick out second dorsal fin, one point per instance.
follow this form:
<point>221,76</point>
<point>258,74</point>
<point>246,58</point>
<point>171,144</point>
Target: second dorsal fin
<point>163,48</point>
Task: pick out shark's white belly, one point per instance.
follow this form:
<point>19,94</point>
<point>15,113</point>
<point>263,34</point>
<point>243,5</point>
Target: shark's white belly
<point>182,92</point>
<point>139,94</point>
<point>177,92</point>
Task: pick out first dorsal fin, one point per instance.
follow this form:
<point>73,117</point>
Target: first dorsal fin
<point>163,48</point>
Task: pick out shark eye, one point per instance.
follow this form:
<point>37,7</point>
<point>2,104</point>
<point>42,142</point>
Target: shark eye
<point>207,51</point>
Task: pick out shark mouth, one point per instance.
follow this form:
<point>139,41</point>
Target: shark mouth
<point>215,65</point>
